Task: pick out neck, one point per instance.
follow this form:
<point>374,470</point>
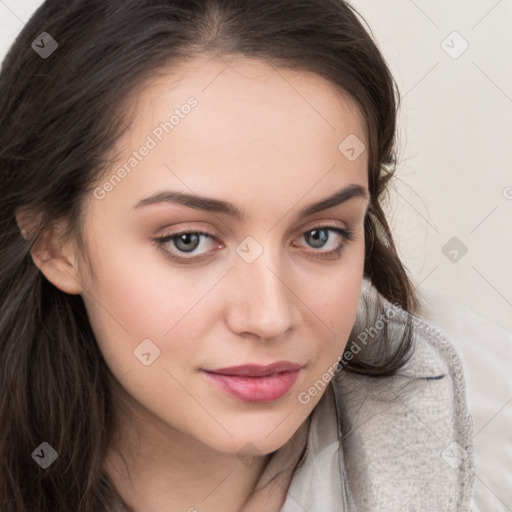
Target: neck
<point>157,468</point>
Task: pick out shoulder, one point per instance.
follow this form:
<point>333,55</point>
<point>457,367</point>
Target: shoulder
<point>407,439</point>
<point>485,348</point>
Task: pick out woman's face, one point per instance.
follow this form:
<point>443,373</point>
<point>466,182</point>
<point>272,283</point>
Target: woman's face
<point>266,286</point>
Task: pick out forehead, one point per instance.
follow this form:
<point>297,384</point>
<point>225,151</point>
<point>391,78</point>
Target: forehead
<point>250,122</point>
<point>237,85</point>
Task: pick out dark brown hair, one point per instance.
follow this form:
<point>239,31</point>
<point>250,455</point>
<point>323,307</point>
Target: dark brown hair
<point>60,117</point>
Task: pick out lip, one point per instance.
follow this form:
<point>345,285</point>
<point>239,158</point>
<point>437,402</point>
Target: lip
<point>257,370</point>
<point>256,383</point>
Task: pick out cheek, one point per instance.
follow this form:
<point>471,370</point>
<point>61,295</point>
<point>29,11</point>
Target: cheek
<point>137,287</point>
<point>333,291</point>
<point>332,296</point>
<point>137,295</point>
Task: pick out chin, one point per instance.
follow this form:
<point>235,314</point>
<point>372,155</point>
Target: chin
<point>258,436</point>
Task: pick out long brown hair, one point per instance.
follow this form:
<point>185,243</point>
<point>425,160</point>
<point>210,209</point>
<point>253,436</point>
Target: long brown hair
<point>59,118</point>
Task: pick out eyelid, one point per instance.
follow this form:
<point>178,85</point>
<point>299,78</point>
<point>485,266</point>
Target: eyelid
<point>346,233</point>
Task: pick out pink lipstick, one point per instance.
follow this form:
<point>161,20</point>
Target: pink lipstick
<point>256,383</point>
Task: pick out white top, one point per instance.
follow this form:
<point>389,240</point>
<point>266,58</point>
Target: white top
<point>318,482</point>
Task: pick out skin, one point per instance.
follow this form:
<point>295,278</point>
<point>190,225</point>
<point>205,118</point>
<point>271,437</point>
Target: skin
<point>267,141</point>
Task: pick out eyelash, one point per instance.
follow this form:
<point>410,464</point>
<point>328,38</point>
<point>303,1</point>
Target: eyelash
<point>347,234</point>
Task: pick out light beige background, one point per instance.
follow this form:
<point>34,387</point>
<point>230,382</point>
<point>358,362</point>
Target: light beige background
<point>455,175</point>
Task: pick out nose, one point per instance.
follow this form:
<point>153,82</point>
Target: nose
<point>263,302</point>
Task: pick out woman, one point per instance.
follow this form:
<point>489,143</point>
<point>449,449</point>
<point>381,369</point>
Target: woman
<point>202,307</point>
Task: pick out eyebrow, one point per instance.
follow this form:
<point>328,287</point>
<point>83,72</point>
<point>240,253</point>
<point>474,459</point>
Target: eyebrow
<point>218,206</point>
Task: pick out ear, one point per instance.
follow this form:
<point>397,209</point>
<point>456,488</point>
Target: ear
<point>55,257</point>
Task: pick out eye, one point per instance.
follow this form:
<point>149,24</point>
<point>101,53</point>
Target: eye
<point>186,242</point>
<point>322,236</point>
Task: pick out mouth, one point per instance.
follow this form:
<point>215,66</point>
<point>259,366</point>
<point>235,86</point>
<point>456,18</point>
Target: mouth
<point>255,383</point>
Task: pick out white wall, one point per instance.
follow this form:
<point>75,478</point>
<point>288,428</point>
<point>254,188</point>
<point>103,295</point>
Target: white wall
<point>455,177</point>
